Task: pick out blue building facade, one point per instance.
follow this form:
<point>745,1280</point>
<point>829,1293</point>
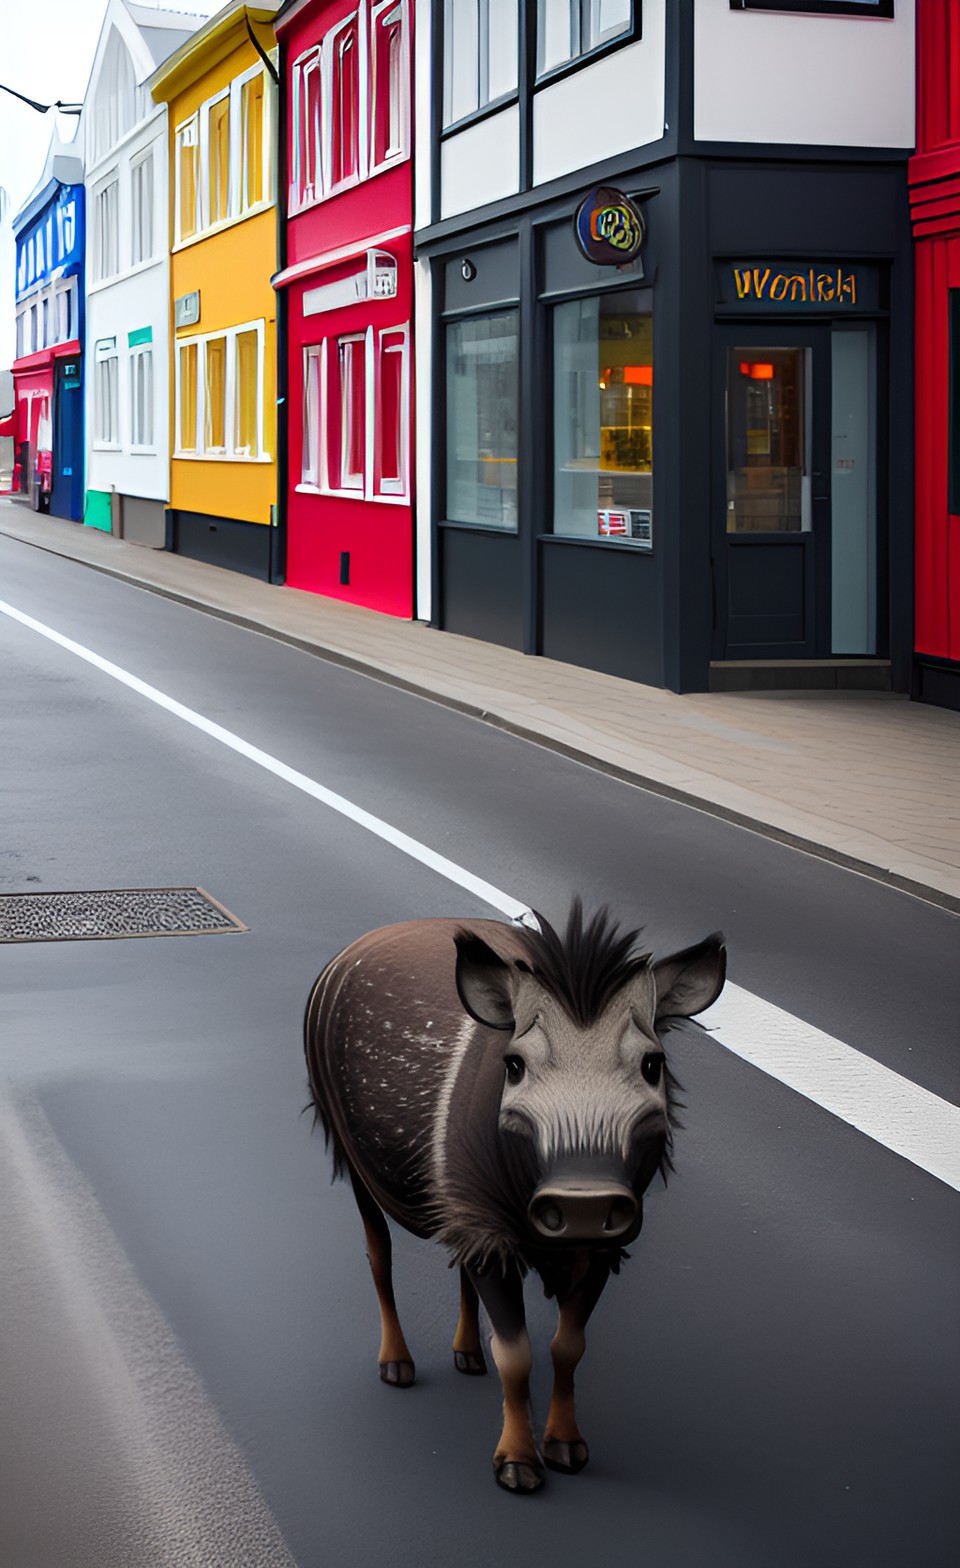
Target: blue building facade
<point>48,369</point>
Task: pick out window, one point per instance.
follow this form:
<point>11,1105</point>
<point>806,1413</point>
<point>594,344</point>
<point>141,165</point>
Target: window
<point>819,7</point>
<point>389,83</point>
<point>391,420</point>
<point>247,394</point>
<point>312,373</point>
<point>188,179</point>
<point>188,355</point>
<point>307,166</point>
<point>215,395</point>
<point>141,397</point>
<point>356,422</point>
<point>217,182</point>
<point>21,323</point>
<point>568,28</point>
<point>219,394</point>
<point>106,403</point>
<point>141,209</point>
<point>768,440</point>
<point>106,261</point>
<point>482,419</point>
<point>251,141</point>
<point>345,126</point>
<point>480,54</point>
<point>602,418</point>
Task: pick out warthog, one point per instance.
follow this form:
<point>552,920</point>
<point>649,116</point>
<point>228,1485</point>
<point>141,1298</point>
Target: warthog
<point>504,1091</point>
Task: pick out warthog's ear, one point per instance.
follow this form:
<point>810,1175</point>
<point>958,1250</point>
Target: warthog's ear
<point>689,981</point>
<point>483,981</point>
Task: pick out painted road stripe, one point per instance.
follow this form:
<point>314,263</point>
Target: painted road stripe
<point>877,1101</point>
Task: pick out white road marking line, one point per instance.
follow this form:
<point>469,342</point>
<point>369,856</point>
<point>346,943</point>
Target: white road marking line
<point>888,1108</point>
<point>402,841</point>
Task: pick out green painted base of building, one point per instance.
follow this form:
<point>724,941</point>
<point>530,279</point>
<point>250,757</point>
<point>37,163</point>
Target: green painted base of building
<point>96,511</point>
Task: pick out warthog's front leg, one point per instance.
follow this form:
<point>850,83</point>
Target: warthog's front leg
<point>564,1446</point>
<point>517,1464</point>
<point>467,1350</point>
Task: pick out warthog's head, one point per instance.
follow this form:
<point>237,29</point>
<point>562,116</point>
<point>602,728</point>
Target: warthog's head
<point>585,1082</point>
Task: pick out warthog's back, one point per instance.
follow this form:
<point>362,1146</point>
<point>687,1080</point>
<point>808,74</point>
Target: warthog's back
<point>385,1034</point>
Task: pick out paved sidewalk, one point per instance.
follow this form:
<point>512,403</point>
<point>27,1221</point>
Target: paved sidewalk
<point>868,779</point>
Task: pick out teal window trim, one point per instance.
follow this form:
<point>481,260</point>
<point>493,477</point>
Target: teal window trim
<point>141,335</point>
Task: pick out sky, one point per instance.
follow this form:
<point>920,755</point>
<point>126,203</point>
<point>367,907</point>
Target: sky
<point>47,53</point>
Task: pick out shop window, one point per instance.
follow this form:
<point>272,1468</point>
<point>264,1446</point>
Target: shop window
<point>345,127</point>
<point>482,419</point>
<point>251,141</point>
<point>106,231</point>
<point>106,402</point>
<point>603,418</point>
<point>141,209</point>
<point>188,356</point>
<point>217,182</point>
<point>188,179</point>
<point>768,440</point>
<point>480,54</point>
<point>389,83</point>
<point>567,29</point>
<point>141,398</point>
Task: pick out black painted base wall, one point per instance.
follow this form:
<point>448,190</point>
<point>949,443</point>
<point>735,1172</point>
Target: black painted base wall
<point>221,541</point>
<point>601,610</point>
<point>481,586</point>
<point>936,682</point>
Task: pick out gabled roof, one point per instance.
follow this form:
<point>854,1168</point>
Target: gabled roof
<point>63,166</point>
<point>209,43</point>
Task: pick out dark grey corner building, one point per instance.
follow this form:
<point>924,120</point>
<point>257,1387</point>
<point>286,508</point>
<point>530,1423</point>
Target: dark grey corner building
<point>691,467</point>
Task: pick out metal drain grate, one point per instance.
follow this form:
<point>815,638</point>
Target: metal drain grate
<point>112,912</point>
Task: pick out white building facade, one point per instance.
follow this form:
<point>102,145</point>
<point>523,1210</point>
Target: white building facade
<point>128,274</point>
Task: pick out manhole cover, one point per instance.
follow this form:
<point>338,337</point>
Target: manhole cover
<point>137,911</point>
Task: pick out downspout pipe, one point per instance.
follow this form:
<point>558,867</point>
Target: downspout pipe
<point>278,532</point>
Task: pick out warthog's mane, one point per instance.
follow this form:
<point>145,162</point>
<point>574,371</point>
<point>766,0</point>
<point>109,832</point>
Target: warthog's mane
<point>586,966</point>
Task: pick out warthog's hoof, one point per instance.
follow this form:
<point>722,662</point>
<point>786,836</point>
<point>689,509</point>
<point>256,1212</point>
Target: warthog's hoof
<point>568,1458</point>
<point>399,1374</point>
<point>471,1362</point>
<point>519,1475</point>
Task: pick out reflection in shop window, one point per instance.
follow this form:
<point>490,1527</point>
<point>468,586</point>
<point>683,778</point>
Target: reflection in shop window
<point>482,420</point>
<point>603,418</point>
<point>768,467</point>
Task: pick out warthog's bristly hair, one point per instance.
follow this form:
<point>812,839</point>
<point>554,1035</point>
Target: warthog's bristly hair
<point>586,966</point>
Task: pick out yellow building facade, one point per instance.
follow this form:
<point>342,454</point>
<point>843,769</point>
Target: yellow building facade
<point>221,97</point>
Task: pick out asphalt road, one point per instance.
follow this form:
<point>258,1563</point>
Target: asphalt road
<point>187,1362</point>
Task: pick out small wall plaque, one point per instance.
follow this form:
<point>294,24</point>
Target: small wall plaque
<point>186,309</point>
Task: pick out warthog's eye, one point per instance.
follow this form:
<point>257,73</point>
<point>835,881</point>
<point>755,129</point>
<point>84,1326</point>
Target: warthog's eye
<point>516,1067</point>
<point>652,1067</point>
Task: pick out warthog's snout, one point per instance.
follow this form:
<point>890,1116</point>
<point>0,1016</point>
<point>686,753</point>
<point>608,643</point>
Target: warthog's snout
<point>585,1213</point>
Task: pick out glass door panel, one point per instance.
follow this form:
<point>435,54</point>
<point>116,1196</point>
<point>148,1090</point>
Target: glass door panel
<point>768,440</point>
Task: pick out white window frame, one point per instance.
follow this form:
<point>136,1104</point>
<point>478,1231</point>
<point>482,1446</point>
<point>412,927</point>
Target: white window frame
<point>394,153</point>
<point>331,187</point>
<point>236,210</point>
<point>106,352</point>
<point>207,221</point>
<point>231,452</point>
<point>322,361</point>
<point>304,192</point>
<point>138,207</point>
<point>101,274</point>
<point>482,60</point>
<point>138,353</point>
<point>189,126</point>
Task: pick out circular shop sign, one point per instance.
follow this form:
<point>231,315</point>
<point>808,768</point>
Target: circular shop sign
<point>609,226</point>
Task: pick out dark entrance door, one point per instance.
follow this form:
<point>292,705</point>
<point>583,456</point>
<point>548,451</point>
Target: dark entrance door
<point>66,495</point>
<point>794,534</point>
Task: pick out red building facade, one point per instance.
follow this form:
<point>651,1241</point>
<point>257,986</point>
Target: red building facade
<point>347,279</point>
<point>935,205</point>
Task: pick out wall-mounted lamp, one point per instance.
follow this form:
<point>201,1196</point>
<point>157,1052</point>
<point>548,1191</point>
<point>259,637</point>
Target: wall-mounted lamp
<point>467,270</point>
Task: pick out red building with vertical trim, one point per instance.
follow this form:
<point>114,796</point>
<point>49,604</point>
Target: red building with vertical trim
<point>347,278</point>
<point>935,207</point>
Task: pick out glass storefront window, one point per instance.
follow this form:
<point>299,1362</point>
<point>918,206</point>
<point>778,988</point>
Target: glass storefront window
<point>768,434</point>
<point>603,418</point>
<point>482,384</point>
